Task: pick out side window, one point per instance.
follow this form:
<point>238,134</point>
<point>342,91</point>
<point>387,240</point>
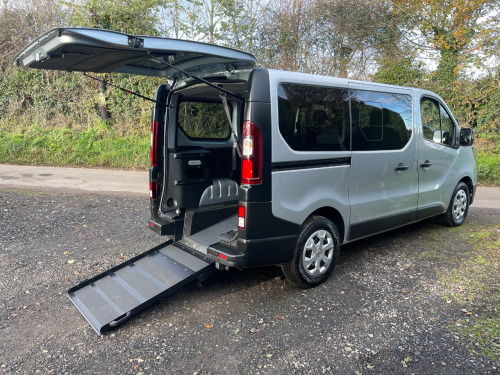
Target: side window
<point>437,125</point>
<point>447,127</point>
<point>380,121</point>
<point>370,120</point>
<point>431,122</point>
<point>203,120</point>
<point>313,118</point>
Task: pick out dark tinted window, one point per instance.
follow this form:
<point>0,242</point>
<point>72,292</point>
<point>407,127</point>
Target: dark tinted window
<point>313,118</point>
<point>380,121</point>
<point>437,125</point>
<point>205,120</point>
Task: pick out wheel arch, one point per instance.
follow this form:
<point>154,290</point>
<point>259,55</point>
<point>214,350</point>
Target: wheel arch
<point>470,184</point>
<point>333,215</point>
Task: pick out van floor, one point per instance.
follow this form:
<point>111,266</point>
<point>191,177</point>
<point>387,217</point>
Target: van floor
<point>201,240</point>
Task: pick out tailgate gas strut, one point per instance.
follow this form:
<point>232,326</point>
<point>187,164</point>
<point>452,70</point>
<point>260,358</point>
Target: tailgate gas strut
<point>228,115</point>
<point>125,90</point>
<point>198,78</point>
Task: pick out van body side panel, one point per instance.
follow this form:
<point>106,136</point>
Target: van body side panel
<point>467,164</point>
<point>298,193</point>
<point>305,181</point>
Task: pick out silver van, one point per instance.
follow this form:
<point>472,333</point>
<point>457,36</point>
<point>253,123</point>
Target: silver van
<point>253,167</point>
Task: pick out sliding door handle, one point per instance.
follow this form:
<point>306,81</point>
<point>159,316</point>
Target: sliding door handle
<point>401,167</point>
<point>426,164</point>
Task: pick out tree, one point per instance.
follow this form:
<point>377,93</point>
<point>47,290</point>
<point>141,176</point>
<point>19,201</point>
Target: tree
<point>126,16</point>
<point>283,39</point>
<point>452,28</point>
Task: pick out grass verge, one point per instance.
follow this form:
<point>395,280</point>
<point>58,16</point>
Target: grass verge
<point>100,146</point>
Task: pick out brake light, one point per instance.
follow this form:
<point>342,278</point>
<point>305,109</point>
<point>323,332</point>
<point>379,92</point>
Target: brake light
<point>241,217</point>
<point>251,158</point>
<point>154,143</point>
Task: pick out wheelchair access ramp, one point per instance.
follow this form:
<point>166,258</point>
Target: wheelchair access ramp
<point>114,296</point>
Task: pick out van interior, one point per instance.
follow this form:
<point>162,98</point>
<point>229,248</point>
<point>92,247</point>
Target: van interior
<point>202,165</point>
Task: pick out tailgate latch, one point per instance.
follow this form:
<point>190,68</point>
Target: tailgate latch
<point>135,42</point>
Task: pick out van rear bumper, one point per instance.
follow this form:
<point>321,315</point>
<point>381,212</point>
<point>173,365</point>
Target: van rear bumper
<point>254,253</point>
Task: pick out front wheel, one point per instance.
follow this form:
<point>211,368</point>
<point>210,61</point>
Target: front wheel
<point>458,207</point>
<point>316,253</point>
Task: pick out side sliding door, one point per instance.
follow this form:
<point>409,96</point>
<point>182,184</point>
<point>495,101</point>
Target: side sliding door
<point>383,187</point>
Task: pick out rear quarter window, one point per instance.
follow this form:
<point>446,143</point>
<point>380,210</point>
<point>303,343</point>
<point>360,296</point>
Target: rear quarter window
<point>314,118</point>
<point>203,120</point>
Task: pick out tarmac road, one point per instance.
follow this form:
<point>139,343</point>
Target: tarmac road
<point>384,310</point>
<point>46,179</point>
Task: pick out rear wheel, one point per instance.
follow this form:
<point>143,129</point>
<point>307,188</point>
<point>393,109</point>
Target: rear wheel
<point>458,207</point>
<point>316,253</point>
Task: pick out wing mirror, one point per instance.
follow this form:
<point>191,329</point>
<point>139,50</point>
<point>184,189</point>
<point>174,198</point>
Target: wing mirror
<point>466,137</point>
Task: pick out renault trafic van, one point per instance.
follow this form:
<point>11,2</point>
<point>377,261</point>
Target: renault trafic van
<point>253,166</point>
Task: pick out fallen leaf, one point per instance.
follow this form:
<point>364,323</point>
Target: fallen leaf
<point>71,261</point>
<point>66,253</point>
<point>281,317</point>
<point>209,325</point>
<point>236,331</point>
<point>269,355</point>
<point>433,319</point>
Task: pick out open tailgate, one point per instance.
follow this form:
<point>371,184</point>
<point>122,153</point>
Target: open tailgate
<point>104,51</point>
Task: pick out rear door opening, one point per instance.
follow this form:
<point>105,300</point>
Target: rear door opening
<point>199,189</point>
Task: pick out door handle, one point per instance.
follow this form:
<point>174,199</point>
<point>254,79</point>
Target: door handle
<point>426,164</point>
<point>401,167</point>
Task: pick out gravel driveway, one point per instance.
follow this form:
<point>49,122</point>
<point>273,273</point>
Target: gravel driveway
<point>388,307</point>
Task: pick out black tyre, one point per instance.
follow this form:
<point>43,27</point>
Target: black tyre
<point>458,207</point>
<point>316,253</point>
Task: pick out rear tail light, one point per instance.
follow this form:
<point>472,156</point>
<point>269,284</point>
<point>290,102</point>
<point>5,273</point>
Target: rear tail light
<point>153,190</point>
<point>154,143</point>
<point>251,158</point>
<point>241,217</point>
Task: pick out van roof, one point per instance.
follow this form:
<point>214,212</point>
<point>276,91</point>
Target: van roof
<point>307,78</point>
